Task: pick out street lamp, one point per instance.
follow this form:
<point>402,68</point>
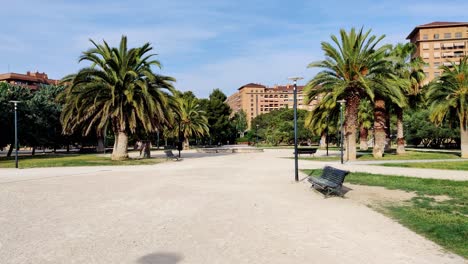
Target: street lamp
<point>16,132</point>
<point>342,101</point>
<point>296,173</point>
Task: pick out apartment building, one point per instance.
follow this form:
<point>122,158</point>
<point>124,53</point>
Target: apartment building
<point>256,99</point>
<point>440,43</point>
<point>32,80</point>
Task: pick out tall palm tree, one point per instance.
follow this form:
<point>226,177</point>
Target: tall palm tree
<point>352,68</point>
<point>119,87</point>
<point>448,98</point>
<point>193,121</point>
<point>409,69</point>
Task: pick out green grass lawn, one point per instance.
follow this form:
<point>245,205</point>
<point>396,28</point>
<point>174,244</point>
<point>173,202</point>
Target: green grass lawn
<point>443,221</point>
<point>70,160</point>
<point>456,165</point>
<point>409,155</point>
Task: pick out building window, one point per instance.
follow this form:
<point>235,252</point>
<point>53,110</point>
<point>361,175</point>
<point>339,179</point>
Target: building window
<point>436,45</point>
<point>447,35</point>
<point>425,55</point>
<point>436,65</point>
<point>436,74</point>
<point>425,37</point>
<point>251,104</point>
<point>425,46</point>
<point>436,36</point>
<point>458,35</point>
<point>436,55</point>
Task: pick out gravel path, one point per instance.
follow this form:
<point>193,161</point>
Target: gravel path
<point>239,208</point>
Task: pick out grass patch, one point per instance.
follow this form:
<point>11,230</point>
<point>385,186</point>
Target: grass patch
<point>443,221</point>
<point>70,160</point>
<point>457,165</point>
<point>409,155</point>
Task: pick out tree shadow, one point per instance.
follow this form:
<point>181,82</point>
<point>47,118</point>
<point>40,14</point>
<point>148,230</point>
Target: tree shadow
<point>160,258</point>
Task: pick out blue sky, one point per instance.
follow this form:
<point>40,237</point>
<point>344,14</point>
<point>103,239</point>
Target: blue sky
<point>204,44</point>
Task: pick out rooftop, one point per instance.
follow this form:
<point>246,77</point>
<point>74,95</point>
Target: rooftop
<point>436,24</point>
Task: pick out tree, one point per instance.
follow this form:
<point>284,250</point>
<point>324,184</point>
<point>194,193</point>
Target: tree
<point>353,67</point>
<point>240,122</point>
<point>218,113</point>
<point>409,69</point>
<point>193,121</point>
<point>119,87</point>
<point>448,99</point>
<point>322,119</point>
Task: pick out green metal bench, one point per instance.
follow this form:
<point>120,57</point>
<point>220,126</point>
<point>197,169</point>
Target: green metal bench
<point>330,182</point>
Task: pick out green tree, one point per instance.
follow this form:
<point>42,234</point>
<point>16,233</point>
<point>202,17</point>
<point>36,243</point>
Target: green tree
<point>239,121</point>
<point>409,69</point>
<point>448,98</point>
<point>193,121</point>
<point>119,87</point>
<point>353,67</point>
<point>18,93</point>
<point>218,113</point>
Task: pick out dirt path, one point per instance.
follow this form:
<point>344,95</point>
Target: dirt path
<point>242,208</point>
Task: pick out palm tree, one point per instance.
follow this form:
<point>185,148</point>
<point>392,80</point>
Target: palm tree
<point>353,67</point>
<point>448,98</point>
<point>409,69</point>
<point>192,120</point>
<point>121,88</point>
<point>322,118</point>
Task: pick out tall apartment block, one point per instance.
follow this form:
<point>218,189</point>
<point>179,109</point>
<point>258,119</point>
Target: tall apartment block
<point>440,43</point>
<point>256,99</point>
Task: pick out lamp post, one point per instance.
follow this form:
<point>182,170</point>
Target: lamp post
<point>296,173</point>
<point>326,136</point>
<point>256,133</point>
<point>16,132</point>
<point>342,101</point>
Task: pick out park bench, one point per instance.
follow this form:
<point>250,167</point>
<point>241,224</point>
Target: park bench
<point>310,151</point>
<point>170,155</point>
<point>330,181</point>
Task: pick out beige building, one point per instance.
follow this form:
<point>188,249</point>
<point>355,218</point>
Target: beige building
<point>439,43</point>
<point>256,99</point>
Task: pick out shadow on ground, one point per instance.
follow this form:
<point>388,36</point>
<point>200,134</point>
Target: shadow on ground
<point>160,258</point>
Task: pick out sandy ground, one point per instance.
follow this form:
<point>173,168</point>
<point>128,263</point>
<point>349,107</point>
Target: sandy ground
<point>238,208</point>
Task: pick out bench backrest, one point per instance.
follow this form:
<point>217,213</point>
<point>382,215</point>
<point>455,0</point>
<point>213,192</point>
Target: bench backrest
<point>334,175</point>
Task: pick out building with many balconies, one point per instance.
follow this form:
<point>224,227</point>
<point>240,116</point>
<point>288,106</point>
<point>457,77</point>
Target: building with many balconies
<point>256,99</point>
<point>439,43</point>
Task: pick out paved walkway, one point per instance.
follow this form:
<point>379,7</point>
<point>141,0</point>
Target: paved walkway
<point>239,208</point>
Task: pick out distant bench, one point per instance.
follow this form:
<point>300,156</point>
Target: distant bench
<point>310,151</point>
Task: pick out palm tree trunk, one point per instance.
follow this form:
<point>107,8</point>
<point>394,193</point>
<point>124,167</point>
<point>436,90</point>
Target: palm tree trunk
<point>379,127</point>
<point>33,152</point>
<point>145,150</point>
<point>10,150</point>
<point>363,134</point>
<point>186,144</point>
<point>400,133</point>
<point>323,140</point>
<point>351,113</point>
<point>120,151</point>
<point>100,144</point>
<point>464,139</point>
<point>388,140</point>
